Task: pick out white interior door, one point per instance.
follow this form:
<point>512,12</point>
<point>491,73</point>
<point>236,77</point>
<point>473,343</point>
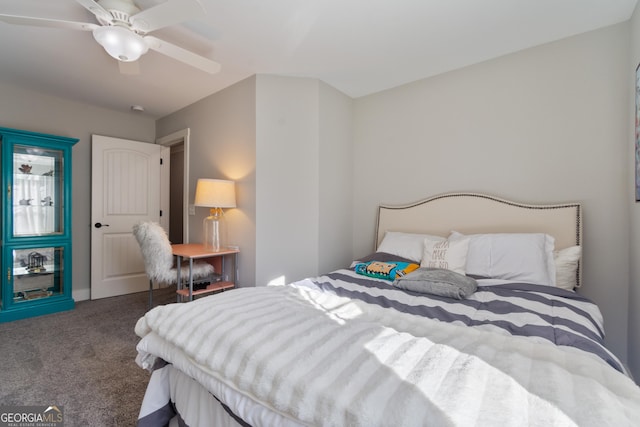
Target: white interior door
<point>125,189</point>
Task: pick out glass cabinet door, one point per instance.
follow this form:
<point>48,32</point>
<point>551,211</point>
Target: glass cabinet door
<point>37,191</point>
<point>37,273</point>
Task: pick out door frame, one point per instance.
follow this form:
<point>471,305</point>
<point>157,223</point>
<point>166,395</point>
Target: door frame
<point>181,136</point>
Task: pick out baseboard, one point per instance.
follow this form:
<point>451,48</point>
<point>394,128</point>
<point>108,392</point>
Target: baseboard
<point>81,294</point>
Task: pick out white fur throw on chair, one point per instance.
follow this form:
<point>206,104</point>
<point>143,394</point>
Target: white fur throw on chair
<point>158,257</point>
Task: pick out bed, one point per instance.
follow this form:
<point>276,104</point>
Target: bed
<point>465,313</point>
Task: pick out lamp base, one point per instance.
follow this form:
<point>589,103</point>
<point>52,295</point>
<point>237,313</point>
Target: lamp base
<point>212,227</point>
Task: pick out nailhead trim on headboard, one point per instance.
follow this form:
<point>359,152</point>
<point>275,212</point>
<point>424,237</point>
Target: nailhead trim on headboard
<point>577,206</point>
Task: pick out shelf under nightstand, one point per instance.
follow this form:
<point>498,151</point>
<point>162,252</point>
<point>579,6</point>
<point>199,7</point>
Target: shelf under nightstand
<point>192,251</point>
<point>213,287</point>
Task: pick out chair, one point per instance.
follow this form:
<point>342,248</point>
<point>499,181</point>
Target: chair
<point>158,257</point>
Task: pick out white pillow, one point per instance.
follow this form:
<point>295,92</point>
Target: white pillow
<point>566,261</point>
<point>523,257</point>
<point>450,254</point>
<point>405,245</point>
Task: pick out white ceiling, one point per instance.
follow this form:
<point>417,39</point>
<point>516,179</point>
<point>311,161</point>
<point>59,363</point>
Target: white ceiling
<point>357,46</point>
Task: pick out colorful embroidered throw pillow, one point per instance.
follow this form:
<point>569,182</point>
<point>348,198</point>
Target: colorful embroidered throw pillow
<point>389,270</point>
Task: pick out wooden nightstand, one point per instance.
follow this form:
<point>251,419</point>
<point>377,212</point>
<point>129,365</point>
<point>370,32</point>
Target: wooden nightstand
<point>192,251</point>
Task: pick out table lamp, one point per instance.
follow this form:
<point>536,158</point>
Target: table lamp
<point>215,194</point>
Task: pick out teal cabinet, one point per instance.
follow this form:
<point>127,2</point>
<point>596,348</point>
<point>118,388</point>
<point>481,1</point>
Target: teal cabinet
<point>36,224</point>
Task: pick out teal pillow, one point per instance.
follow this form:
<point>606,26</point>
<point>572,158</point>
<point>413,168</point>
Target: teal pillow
<point>385,270</point>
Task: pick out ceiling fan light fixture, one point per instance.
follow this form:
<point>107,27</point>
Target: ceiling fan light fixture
<point>121,43</point>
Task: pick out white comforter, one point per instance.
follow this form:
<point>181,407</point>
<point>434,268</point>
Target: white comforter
<point>318,359</point>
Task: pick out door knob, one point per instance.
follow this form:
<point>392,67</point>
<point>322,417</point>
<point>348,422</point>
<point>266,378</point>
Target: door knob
<point>98,225</point>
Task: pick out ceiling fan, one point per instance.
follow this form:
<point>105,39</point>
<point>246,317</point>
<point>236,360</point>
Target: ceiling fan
<point>123,28</point>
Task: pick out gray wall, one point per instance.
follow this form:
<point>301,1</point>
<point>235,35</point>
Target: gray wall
<point>287,178</point>
<point>336,179</point>
<point>634,253</point>
<point>39,112</point>
<point>223,146</point>
<point>304,179</point>
<point>548,124</point>
<point>287,144</point>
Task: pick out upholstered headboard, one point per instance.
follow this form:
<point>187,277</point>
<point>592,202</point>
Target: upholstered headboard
<point>470,213</point>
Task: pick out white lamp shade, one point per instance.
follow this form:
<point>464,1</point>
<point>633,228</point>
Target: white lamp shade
<point>121,43</point>
<point>215,193</point>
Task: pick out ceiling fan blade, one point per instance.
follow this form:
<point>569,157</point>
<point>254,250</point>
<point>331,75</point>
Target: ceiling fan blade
<point>96,9</point>
<point>51,23</point>
<point>170,12</point>
<point>182,55</point>
<point>131,68</point>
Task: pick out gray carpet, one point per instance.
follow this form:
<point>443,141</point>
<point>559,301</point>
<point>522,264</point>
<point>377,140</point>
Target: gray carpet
<point>83,360</point>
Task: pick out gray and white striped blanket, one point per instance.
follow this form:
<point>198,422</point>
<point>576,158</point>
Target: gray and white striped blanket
<point>344,350</point>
